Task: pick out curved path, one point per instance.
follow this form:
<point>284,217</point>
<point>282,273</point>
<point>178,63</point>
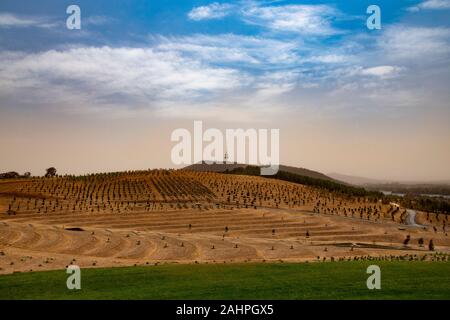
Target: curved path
<point>411,218</point>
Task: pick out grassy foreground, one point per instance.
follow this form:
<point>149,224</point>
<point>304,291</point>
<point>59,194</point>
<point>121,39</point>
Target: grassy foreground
<point>338,280</point>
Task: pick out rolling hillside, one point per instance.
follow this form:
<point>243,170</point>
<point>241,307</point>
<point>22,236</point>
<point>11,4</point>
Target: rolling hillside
<point>221,167</point>
<point>179,216</point>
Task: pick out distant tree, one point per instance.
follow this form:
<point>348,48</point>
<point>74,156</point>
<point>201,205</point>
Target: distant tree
<point>431,245</point>
<point>406,241</point>
<point>9,175</point>
<point>421,242</point>
<point>51,172</point>
<point>27,174</point>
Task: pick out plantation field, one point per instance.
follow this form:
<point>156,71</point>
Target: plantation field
<point>330,280</point>
<point>176,216</point>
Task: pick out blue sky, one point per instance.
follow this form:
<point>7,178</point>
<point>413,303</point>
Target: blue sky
<point>312,63</point>
<point>125,22</point>
<point>275,48</point>
<point>129,23</point>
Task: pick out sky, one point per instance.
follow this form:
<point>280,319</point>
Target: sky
<point>346,99</point>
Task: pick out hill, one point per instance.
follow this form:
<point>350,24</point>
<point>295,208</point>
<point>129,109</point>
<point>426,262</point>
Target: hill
<point>364,181</point>
<point>214,167</point>
<point>306,172</point>
<point>333,186</point>
<point>179,216</point>
<point>356,180</point>
<point>222,167</point>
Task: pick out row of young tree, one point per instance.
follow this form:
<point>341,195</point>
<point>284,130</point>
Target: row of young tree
<point>423,203</point>
<point>328,185</point>
<point>416,202</point>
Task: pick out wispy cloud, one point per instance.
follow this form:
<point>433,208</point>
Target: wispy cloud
<point>273,84</point>
<point>127,77</point>
<point>9,20</point>
<point>431,5</point>
<point>381,71</point>
<point>213,71</point>
<point>174,74</point>
<point>300,19</point>
<point>330,58</point>
<point>303,19</point>
<point>212,11</point>
<point>410,42</point>
<point>251,51</point>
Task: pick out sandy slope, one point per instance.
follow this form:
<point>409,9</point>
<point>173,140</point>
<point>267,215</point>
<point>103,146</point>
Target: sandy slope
<point>43,242</point>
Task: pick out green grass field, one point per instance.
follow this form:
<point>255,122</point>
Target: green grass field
<point>338,280</point>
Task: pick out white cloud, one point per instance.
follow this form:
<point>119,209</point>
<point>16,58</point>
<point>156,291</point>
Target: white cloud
<point>96,76</point>
<point>212,11</point>
<point>208,73</point>
<point>233,49</point>
<point>380,71</point>
<point>431,5</point>
<point>302,19</point>
<point>9,20</point>
<point>330,58</point>
<point>405,67</point>
<point>415,43</point>
<point>276,83</point>
<point>179,73</point>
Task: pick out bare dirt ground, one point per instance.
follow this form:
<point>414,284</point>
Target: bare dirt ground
<point>152,218</point>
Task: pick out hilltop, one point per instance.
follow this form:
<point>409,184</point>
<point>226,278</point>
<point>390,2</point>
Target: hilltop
<point>223,167</point>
